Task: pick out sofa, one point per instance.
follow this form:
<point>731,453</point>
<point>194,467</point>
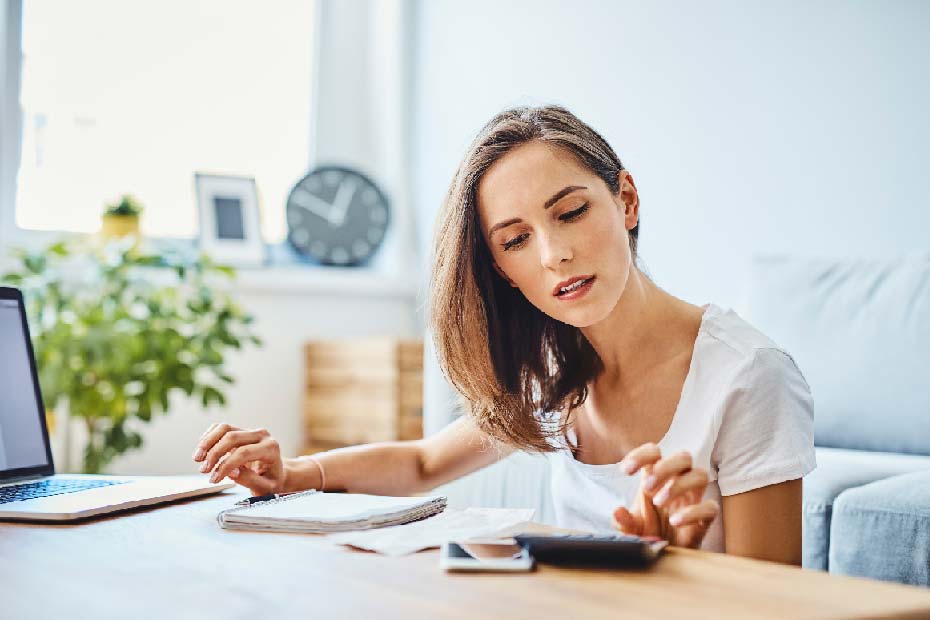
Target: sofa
<point>860,332</point>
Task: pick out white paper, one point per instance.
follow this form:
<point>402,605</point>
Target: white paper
<point>451,525</point>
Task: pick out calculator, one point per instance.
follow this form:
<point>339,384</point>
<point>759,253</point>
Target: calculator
<point>606,550</point>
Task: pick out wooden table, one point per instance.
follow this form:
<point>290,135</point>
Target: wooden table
<point>174,561</point>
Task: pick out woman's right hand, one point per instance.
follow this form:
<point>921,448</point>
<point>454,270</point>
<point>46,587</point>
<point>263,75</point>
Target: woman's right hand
<point>250,458</point>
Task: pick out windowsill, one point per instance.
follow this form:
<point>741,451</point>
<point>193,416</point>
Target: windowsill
<point>349,281</point>
<point>284,273</point>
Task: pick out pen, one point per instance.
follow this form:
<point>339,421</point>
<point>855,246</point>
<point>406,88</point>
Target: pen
<point>261,498</point>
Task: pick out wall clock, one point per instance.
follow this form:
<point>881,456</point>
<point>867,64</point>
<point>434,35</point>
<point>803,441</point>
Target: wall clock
<point>337,216</point>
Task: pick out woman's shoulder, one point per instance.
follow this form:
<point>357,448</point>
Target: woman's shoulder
<point>740,353</point>
<point>730,330</point>
<point>765,413</point>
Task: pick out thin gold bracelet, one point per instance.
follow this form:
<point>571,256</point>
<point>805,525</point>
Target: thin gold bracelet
<point>322,473</point>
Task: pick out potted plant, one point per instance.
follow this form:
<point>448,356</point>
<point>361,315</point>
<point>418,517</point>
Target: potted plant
<point>117,334</point>
<point>121,218</point>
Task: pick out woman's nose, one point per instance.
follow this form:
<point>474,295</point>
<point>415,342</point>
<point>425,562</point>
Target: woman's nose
<point>555,251</point>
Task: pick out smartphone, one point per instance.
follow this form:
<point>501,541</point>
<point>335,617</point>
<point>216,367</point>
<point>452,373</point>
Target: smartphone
<point>485,555</point>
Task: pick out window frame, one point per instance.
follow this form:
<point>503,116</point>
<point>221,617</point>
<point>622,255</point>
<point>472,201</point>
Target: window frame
<point>389,277</point>
<point>10,118</point>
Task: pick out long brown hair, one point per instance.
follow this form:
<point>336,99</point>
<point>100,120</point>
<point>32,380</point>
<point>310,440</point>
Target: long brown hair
<point>514,365</point>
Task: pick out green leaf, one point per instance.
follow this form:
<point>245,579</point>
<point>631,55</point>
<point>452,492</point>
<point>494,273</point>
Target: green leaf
<point>59,248</point>
<point>144,411</point>
<point>35,263</point>
<point>149,261</point>
<point>211,394</point>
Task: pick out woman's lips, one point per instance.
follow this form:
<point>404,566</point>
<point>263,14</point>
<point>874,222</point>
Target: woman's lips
<point>577,291</point>
<point>569,282</point>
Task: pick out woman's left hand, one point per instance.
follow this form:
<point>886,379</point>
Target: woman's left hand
<point>669,503</point>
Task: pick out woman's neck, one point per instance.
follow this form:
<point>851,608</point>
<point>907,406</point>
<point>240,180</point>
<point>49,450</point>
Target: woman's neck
<point>642,330</point>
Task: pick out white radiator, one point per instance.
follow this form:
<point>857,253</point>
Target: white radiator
<point>519,481</point>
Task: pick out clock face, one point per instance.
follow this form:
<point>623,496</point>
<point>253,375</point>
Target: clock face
<point>337,216</point>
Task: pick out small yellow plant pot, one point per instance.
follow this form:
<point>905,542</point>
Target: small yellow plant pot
<point>115,226</point>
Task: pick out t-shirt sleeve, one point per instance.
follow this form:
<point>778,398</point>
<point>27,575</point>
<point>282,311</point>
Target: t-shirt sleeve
<point>766,431</point>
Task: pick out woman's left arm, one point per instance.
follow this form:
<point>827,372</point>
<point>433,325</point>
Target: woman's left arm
<point>765,523</point>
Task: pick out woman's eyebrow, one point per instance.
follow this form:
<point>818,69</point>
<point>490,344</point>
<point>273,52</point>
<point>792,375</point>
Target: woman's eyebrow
<point>562,193</point>
<point>559,195</point>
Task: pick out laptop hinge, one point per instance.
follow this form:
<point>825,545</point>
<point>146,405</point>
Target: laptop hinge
<point>13,480</point>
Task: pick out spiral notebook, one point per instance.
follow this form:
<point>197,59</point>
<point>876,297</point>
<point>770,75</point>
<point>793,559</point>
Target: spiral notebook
<point>316,512</point>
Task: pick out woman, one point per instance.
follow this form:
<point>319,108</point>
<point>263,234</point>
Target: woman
<point>656,413</point>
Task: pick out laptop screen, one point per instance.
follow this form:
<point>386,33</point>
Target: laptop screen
<point>22,433</point>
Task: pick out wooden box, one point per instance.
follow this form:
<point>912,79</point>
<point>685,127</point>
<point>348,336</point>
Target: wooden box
<point>359,391</point>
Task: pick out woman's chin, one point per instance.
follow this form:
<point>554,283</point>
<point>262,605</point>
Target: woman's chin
<point>581,317</point>
<point>580,313</point>
<point>582,323</point>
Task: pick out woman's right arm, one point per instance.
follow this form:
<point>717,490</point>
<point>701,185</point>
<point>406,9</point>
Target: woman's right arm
<point>252,458</point>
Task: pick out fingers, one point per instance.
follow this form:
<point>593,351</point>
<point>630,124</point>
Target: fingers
<point>694,480</point>
<point>258,467</point>
<point>227,442</point>
<point>662,471</point>
<point>637,458</point>
<point>210,437</point>
<point>207,432</point>
<point>199,451</point>
<point>236,459</point>
<point>702,514</point>
<point>253,481</point>
<point>627,522</point>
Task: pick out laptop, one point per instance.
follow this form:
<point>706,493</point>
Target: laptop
<point>29,488</point>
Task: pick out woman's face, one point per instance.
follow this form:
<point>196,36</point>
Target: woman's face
<point>557,233</point>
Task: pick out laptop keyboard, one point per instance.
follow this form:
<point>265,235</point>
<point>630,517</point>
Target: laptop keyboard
<point>47,488</point>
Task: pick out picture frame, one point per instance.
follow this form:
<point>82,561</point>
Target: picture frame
<point>229,219</point>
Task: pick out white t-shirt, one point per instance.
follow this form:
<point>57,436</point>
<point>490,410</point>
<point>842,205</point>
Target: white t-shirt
<point>745,414</point>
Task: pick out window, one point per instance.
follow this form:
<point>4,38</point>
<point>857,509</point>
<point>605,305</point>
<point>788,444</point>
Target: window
<point>134,97</point>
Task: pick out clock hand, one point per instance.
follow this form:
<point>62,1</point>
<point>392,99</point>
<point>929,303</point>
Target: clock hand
<point>343,199</point>
<point>314,205</point>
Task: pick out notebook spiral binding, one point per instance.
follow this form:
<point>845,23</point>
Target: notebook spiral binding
<point>220,517</point>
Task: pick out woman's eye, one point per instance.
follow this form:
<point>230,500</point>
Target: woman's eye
<point>516,242</point>
<point>574,215</point>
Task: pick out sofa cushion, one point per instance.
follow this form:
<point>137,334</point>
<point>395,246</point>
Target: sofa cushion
<point>860,332</point>
<point>839,470</point>
<point>882,530</point>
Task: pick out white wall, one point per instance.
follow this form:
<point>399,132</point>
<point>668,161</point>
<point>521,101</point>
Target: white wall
<point>749,127</point>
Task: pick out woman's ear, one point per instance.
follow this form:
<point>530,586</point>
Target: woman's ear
<point>628,199</point>
<point>500,271</point>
